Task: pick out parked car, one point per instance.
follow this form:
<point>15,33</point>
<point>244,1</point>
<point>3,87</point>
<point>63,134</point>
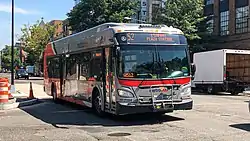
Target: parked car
<point>21,73</point>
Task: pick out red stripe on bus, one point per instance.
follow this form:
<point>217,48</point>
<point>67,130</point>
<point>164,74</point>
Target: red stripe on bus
<point>136,83</point>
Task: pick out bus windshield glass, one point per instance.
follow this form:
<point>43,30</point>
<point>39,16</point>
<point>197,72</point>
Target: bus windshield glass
<point>153,62</point>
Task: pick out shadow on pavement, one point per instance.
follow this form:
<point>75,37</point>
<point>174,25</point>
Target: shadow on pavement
<point>70,114</point>
<point>216,94</point>
<point>243,126</point>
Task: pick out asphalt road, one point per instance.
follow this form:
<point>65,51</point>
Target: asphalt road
<point>214,118</point>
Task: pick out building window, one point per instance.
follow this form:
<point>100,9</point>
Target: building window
<point>208,2</point>
<point>224,18</point>
<point>241,19</point>
<point>210,24</point>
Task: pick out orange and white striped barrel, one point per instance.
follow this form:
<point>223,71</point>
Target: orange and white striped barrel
<point>4,90</point>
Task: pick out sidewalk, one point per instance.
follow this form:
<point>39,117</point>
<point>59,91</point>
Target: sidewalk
<point>23,90</point>
<point>21,97</point>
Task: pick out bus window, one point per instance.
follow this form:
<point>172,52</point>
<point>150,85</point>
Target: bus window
<point>96,65</point>
<point>54,67</point>
<point>84,59</point>
<point>71,65</point>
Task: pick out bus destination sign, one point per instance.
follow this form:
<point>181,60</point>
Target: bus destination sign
<point>160,38</point>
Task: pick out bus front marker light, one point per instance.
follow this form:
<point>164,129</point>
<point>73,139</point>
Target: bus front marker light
<point>124,93</point>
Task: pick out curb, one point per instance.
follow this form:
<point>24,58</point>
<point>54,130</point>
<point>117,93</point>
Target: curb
<point>9,106</point>
<point>245,94</point>
<point>19,94</point>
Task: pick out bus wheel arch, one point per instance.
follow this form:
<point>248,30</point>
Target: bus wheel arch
<point>98,101</point>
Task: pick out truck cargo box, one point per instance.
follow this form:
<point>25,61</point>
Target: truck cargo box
<point>224,69</point>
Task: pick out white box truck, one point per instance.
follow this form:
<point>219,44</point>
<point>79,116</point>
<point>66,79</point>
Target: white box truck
<point>224,70</point>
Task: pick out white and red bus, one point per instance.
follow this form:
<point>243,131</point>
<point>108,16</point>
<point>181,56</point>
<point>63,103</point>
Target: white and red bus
<point>121,68</point>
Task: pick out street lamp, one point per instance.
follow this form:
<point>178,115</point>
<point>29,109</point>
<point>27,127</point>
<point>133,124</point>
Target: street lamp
<point>12,47</point>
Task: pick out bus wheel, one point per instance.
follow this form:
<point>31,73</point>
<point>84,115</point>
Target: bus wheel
<point>97,103</point>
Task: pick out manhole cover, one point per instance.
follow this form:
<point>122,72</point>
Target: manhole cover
<point>119,134</point>
<point>225,115</point>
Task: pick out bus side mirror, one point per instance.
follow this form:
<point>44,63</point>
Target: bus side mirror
<point>193,70</point>
<point>116,51</point>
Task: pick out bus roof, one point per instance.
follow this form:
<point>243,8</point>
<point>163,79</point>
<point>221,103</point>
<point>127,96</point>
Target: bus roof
<point>126,27</point>
<point>102,35</point>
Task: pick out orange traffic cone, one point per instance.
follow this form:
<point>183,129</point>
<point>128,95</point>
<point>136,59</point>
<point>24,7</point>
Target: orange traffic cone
<point>31,96</point>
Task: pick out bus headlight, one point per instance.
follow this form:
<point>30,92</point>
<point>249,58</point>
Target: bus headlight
<point>124,93</point>
<point>186,93</point>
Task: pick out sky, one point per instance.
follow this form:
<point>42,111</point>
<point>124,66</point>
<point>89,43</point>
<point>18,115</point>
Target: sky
<point>28,12</point>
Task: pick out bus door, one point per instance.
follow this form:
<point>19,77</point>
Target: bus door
<point>83,84</point>
<point>95,71</point>
<point>70,82</point>
<point>63,75</point>
<point>109,77</point>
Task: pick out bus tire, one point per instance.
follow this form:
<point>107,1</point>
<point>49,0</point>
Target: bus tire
<point>97,103</point>
<point>53,93</point>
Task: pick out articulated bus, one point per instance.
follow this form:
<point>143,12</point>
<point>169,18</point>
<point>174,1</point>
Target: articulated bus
<point>121,68</point>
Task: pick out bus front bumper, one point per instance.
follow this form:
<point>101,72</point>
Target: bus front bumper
<point>122,109</point>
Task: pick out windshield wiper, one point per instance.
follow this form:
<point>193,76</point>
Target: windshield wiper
<point>152,70</point>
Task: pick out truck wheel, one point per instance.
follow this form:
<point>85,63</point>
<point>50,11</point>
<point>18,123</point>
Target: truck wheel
<point>210,89</point>
<point>235,92</point>
<point>97,103</point>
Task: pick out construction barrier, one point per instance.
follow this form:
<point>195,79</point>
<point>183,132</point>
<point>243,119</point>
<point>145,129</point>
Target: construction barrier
<point>31,95</point>
<point>4,90</point>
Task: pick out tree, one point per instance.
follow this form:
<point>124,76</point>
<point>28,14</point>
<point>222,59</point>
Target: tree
<point>35,37</point>
<point>90,13</point>
<point>6,58</point>
<point>186,15</point>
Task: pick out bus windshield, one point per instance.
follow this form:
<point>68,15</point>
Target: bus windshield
<point>153,62</point>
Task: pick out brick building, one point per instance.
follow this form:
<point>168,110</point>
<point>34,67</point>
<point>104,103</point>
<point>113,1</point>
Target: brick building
<point>229,23</point>
<point>66,28</point>
<point>59,28</point>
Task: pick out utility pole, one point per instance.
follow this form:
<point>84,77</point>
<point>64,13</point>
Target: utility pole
<point>12,47</point>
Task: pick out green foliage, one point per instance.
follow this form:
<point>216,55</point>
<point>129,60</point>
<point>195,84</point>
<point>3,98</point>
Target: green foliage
<point>90,13</point>
<point>185,15</point>
<point>35,38</point>
<point>6,58</point>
